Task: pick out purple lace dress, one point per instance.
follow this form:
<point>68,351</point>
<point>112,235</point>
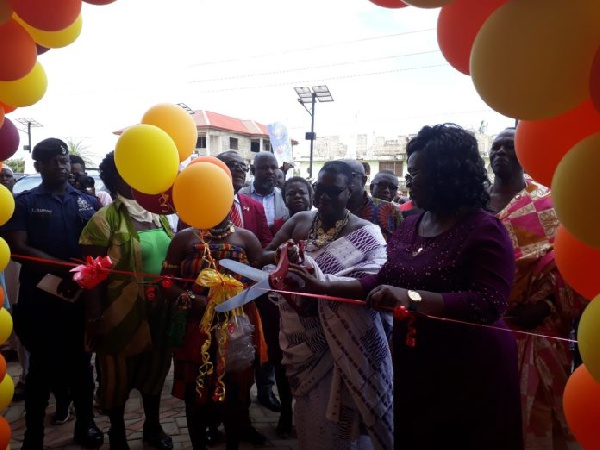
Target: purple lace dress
<point>458,387</point>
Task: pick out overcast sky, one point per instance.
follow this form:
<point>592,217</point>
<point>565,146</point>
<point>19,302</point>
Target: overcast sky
<point>243,58</point>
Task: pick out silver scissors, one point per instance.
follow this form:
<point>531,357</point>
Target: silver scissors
<point>249,294</point>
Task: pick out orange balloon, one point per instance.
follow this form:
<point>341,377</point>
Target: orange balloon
<point>5,433</point>
<point>581,404</point>
<point>458,24</point>
<point>212,159</point>
<point>7,109</point>
<point>595,80</point>
<point>18,52</point>
<point>541,144</point>
<point>52,15</point>
<point>578,263</point>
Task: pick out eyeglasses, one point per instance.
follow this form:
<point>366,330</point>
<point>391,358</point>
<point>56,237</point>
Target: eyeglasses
<point>329,191</point>
<point>385,185</point>
<point>233,165</point>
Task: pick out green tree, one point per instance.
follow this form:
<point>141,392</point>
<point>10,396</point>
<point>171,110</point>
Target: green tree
<point>16,164</point>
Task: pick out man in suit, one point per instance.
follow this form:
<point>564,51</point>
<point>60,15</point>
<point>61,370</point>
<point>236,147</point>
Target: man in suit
<point>264,188</point>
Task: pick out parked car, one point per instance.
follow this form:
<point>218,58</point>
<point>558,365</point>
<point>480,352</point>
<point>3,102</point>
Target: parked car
<point>28,182</point>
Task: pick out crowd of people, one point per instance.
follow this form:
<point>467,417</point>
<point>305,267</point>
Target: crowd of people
<point>471,364</point>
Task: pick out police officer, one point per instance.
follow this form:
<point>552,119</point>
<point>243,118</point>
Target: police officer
<point>46,224</point>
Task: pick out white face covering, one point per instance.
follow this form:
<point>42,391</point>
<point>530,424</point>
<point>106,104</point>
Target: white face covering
<point>137,212</point>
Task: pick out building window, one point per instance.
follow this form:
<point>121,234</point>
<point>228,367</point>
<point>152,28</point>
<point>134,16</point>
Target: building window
<point>201,142</point>
<point>255,146</point>
<point>233,143</point>
<point>267,146</point>
<point>395,166</point>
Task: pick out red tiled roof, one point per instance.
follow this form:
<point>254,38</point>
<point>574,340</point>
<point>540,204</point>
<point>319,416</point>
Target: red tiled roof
<point>206,120</point>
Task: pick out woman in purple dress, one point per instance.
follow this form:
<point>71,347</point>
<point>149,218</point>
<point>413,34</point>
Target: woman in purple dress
<point>457,386</point>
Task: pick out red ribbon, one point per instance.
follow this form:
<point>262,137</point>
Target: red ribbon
<point>93,272</point>
<point>95,268</point>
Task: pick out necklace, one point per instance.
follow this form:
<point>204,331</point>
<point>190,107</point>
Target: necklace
<point>318,237</point>
<point>218,233</point>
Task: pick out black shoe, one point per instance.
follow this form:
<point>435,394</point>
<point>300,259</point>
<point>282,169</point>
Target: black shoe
<point>269,401</point>
<point>60,417</point>
<point>88,435</point>
<point>157,438</point>
<point>285,429</point>
<point>212,435</point>
<point>251,436</point>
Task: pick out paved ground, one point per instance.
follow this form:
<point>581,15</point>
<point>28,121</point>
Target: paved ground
<point>172,415</point>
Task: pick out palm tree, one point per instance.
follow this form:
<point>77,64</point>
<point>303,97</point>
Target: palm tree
<point>80,149</point>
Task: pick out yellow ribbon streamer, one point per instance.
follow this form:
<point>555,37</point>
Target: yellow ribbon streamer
<point>221,287</point>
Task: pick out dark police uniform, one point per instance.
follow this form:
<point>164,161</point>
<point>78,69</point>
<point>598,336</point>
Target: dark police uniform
<point>52,329</point>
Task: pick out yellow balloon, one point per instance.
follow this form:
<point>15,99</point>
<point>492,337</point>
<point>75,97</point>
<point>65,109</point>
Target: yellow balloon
<point>6,325</point>
<point>147,159</point>
<point>428,3</point>
<point>531,60</point>
<point>178,124</point>
<point>7,204</point>
<point>575,188</point>
<point>588,336</point>
<point>25,91</point>
<point>54,39</point>
<point>203,195</point>
<point>7,390</point>
<point>4,254</point>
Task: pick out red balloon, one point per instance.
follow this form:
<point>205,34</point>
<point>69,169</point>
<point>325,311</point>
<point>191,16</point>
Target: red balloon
<point>9,140</point>
<point>156,203</point>
<point>52,15</point>
<point>1,117</point>
<point>458,24</point>
<point>17,51</point>
<point>213,160</point>
<point>581,404</point>
<point>389,3</point>
<point>99,2</point>
<point>595,80</point>
<point>541,144</point>
<point>578,263</point>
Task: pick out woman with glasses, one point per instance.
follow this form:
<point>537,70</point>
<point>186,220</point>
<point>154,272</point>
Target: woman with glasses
<point>336,355</point>
<point>455,374</point>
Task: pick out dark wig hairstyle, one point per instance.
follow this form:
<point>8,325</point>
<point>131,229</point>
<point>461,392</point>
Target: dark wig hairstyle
<point>297,180</point>
<point>339,168</point>
<point>454,166</point>
<point>76,159</point>
<point>108,173</point>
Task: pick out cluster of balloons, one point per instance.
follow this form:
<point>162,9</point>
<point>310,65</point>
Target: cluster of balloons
<point>7,388</point>
<point>148,157</point>
<point>29,28</point>
<point>539,62</point>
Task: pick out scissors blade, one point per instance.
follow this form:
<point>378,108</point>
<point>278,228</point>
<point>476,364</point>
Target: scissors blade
<point>244,297</point>
<point>244,270</point>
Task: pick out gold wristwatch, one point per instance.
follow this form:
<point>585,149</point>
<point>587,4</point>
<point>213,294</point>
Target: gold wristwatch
<point>415,298</point>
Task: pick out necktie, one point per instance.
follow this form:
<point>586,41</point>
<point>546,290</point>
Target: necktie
<point>235,216</point>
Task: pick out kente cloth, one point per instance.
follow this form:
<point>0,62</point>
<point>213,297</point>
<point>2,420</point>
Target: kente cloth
<point>385,214</point>
<point>125,310</point>
<point>188,358</point>
<point>544,364</point>
<point>342,350</point>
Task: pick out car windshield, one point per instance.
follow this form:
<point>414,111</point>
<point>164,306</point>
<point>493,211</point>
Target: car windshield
<point>30,181</point>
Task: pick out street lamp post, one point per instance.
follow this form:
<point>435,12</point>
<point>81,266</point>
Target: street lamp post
<point>29,123</point>
<point>306,95</point>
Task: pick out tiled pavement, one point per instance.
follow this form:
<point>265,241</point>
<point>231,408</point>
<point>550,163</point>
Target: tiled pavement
<point>172,417</point>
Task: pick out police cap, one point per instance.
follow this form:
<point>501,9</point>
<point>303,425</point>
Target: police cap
<point>49,148</point>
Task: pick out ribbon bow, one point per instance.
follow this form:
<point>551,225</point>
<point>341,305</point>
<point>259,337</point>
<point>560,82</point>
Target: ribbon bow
<point>221,287</point>
<point>93,272</point>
